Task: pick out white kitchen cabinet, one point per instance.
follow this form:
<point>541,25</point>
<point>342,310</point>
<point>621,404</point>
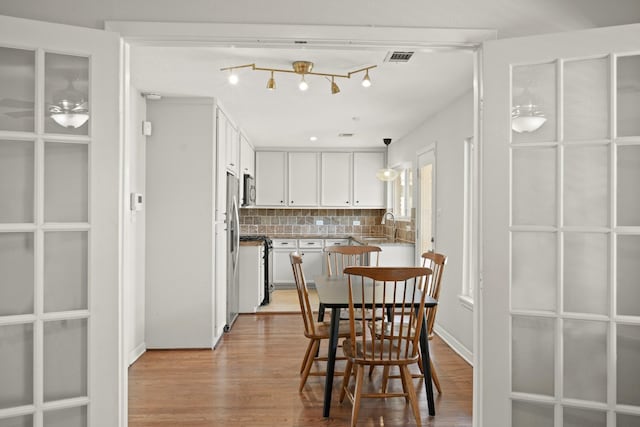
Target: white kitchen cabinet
<point>247,157</point>
<point>231,141</point>
<point>251,281</point>
<point>336,179</point>
<point>395,255</point>
<point>312,257</point>
<point>303,179</point>
<point>271,173</point>
<point>368,191</point>
<point>282,272</point>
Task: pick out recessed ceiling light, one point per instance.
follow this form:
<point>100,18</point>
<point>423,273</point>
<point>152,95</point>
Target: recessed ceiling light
<point>313,138</point>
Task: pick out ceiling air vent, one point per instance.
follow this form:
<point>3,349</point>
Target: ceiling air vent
<point>398,56</point>
<point>345,135</point>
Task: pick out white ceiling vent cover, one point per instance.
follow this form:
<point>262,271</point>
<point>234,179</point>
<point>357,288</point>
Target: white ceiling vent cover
<point>398,56</point>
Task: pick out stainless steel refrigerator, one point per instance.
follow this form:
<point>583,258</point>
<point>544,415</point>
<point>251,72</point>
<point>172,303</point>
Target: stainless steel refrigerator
<point>233,243</point>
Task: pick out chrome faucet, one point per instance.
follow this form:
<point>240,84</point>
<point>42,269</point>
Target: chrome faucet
<point>393,218</point>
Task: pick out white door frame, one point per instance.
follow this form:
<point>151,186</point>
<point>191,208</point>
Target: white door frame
<point>430,152</point>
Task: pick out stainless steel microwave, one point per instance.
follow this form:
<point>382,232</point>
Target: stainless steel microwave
<point>249,191</point>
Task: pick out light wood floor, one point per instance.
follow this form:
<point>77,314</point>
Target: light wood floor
<point>286,301</point>
<point>251,379</point>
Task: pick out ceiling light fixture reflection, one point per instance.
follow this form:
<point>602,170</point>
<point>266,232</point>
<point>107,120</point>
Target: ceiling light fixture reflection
<point>387,174</point>
<point>313,138</point>
<point>303,68</point>
<point>70,107</point>
<point>526,115</point>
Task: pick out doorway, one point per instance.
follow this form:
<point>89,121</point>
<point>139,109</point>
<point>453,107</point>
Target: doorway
<point>426,239</point>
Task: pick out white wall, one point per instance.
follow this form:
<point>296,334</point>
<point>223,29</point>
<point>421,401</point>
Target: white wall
<point>134,228</point>
<point>448,129</point>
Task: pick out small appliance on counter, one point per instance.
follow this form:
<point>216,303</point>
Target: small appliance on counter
<point>249,191</point>
<point>268,263</point>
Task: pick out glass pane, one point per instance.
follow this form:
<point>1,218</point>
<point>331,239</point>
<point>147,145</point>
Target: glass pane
<point>16,181</point>
<point>534,269</point>
<point>533,340</point>
<point>534,101</point>
<point>628,362</point>
<point>628,179</point>
<point>17,89</point>
<point>529,414</point>
<point>69,417</point>
<point>628,285</point>
<point>586,186</point>
<point>577,417</point>
<point>625,420</point>
<point>586,273</point>
<point>65,270</point>
<point>586,99</point>
<point>22,421</point>
<point>534,186</point>
<point>66,182</point>
<point>17,267</point>
<point>65,359</point>
<point>16,369</point>
<point>66,94</point>
<point>585,377</point>
<point>628,95</point>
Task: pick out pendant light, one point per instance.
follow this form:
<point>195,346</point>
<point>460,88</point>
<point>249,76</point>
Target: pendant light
<point>387,174</point>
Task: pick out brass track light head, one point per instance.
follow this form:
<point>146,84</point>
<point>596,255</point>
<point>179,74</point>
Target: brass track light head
<point>271,84</point>
<point>334,87</point>
<point>302,67</point>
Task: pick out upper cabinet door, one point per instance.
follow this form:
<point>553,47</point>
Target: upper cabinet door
<point>337,179</point>
<point>561,150</point>
<point>303,179</point>
<point>271,168</point>
<point>368,192</point>
<point>247,157</point>
<point>59,225</point>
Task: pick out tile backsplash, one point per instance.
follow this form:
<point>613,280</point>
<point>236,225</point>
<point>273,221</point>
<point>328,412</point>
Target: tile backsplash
<point>320,222</point>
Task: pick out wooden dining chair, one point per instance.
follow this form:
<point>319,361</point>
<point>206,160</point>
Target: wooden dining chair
<point>436,263</point>
<point>314,331</point>
<point>393,288</point>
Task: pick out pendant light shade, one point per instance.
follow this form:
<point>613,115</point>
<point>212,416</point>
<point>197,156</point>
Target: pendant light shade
<point>387,174</point>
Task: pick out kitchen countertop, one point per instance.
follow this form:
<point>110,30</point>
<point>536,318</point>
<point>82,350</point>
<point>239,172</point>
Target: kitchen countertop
<point>364,240</point>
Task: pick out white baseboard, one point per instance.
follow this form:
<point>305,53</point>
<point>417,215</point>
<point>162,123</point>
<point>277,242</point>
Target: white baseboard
<point>137,352</point>
<point>455,345</point>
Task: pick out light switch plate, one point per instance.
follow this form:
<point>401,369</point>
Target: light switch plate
<point>319,222</point>
<point>356,222</point>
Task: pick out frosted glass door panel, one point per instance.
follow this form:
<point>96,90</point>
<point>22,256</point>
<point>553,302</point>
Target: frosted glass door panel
<point>628,179</point>
<point>586,99</point>
<point>628,286</point>
<point>628,95</point>
<point>628,361</point>
<point>16,369</point>
<point>534,186</point>
<point>525,414</point>
<point>576,417</point>
<point>16,181</point>
<point>69,417</point>
<point>65,359</point>
<point>65,270</point>
<point>532,355</point>
<point>23,421</point>
<point>66,182</point>
<point>66,94</point>
<point>17,89</point>
<point>534,269</point>
<point>625,420</point>
<point>585,377</point>
<point>586,186</point>
<point>536,85</point>
<point>17,277</point>
<point>586,273</point>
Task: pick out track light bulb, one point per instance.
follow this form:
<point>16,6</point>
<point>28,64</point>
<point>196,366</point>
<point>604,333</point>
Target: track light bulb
<point>233,78</point>
<point>271,84</point>
<point>334,87</point>
<point>366,82</point>
<point>303,84</point>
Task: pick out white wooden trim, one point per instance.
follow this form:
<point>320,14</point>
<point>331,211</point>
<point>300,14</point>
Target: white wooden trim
<point>135,354</point>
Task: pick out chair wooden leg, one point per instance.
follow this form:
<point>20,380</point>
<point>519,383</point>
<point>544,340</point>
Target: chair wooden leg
<point>345,379</point>
<point>371,370</point>
<point>385,378</point>
<point>307,368</point>
<point>434,377</point>
<point>357,395</point>
<point>405,384</point>
<point>306,355</point>
<point>413,398</point>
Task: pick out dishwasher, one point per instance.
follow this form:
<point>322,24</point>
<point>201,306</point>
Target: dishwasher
<point>267,274</point>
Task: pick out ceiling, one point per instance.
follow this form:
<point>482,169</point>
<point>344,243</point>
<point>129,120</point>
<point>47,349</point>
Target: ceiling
<point>402,95</point>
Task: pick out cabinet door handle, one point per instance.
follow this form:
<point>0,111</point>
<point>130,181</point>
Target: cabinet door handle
<point>347,202</point>
<point>357,201</point>
<point>285,243</point>
<point>292,202</point>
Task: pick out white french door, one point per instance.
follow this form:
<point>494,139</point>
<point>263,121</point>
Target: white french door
<point>560,317</point>
<point>60,352</point>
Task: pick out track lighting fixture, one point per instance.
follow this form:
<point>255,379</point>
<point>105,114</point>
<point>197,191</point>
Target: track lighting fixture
<point>304,68</point>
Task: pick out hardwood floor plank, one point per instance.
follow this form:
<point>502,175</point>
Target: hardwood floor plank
<point>252,380</point>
